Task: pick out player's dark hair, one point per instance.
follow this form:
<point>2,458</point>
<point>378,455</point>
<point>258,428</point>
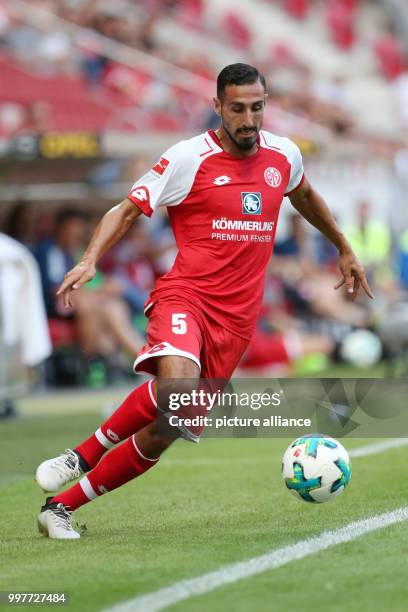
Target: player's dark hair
<point>238,74</point>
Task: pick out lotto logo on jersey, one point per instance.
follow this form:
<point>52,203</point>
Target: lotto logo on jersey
<point>161,166</point>
<point>157,348</point>
<point>222,180</point>
<point>112,436</point>
<point>140,193</point>
<point>251,203</point>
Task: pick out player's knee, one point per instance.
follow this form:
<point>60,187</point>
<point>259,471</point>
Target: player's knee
<point>177,377</point>
<point>85,304</point>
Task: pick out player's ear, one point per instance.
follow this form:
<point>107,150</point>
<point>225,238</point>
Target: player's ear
<point>217,105</point>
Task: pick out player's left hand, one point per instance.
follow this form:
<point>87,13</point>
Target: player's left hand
<point>353,275</point>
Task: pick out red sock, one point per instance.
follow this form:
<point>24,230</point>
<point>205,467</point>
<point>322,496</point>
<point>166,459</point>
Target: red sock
<point>138,410</point>
<point>122,464</point>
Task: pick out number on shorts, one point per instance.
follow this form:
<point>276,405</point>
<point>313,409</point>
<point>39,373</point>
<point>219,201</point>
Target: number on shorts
<point>179,323</point>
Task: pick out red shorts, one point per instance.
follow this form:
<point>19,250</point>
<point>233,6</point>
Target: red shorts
<point>177,327</point>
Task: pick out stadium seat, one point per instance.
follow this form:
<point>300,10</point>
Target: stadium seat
<point>72,104</point>
<point>341,23</point>
<point>390,56</point>
<point>238,33</point>
<point>298,9</point>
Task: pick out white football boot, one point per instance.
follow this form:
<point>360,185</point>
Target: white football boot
<point>53,474</point>
<point>55,521</point>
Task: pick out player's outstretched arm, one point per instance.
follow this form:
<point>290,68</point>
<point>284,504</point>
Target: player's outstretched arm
<point>113,225</point>
<point>313,208</point>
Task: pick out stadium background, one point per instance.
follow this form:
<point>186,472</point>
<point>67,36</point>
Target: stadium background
<point>93,92</point>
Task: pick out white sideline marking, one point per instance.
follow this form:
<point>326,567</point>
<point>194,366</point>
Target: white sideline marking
<point>276,558</point>
<point>179,591</point>
<point>12,478</point>
<point>378,447</point>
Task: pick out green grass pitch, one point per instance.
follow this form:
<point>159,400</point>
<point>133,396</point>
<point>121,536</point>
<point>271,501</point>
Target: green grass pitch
<point>205,505</point>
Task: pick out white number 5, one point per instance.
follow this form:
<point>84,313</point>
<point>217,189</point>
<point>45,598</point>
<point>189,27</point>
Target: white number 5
<point>179,324</point>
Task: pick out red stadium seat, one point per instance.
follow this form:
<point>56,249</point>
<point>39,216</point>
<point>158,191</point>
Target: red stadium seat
<point>190,12</point>
<point>71,104</point>
<point>237,31</point>
<point>390,56</point>
<point>341,22</point>
<point>298,9</point>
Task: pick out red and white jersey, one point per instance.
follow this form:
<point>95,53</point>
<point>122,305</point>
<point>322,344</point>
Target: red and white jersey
<point>223,210</point>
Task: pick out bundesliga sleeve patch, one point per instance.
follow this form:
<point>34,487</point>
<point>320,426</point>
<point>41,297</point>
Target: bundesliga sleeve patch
<point>141,197</point>
<point>141,194</point>
<point>161,166</point>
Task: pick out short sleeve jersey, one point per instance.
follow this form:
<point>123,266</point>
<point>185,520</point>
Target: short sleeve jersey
<point>223,210</point>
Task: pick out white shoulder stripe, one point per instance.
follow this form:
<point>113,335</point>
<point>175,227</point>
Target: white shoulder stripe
<point>264,143</point>
<point>178,169</point>
<point>211,148</point>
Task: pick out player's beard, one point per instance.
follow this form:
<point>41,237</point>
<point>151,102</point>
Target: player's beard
<point>247,143</point>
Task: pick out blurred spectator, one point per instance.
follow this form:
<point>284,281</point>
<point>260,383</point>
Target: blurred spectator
<point>139,98</point>
<point>280,339</point>
<point>22,309</point>
<point>58,254</point>
<point>130,264</point>
<point>331,104</point>
<point>327,255</point>
<point>303,318</point>
<point>295,243</point>
<point>151,99</point>
<point>102,319</point>
<point>308,290</point>
<point>93,64</point>
<point>371,241</point>
<point>37,117</point>
<point>272,350</point>
<point>24,337</point>
<point>20,224</point>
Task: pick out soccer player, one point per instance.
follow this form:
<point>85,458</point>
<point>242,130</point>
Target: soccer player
<point>223,190</point>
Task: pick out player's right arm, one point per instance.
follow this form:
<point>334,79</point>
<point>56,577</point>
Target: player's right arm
<point>113,225</point>
<point>166,184</point>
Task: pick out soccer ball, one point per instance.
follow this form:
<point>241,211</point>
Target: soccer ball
<point>361,348</point>
<point>316,468</point>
